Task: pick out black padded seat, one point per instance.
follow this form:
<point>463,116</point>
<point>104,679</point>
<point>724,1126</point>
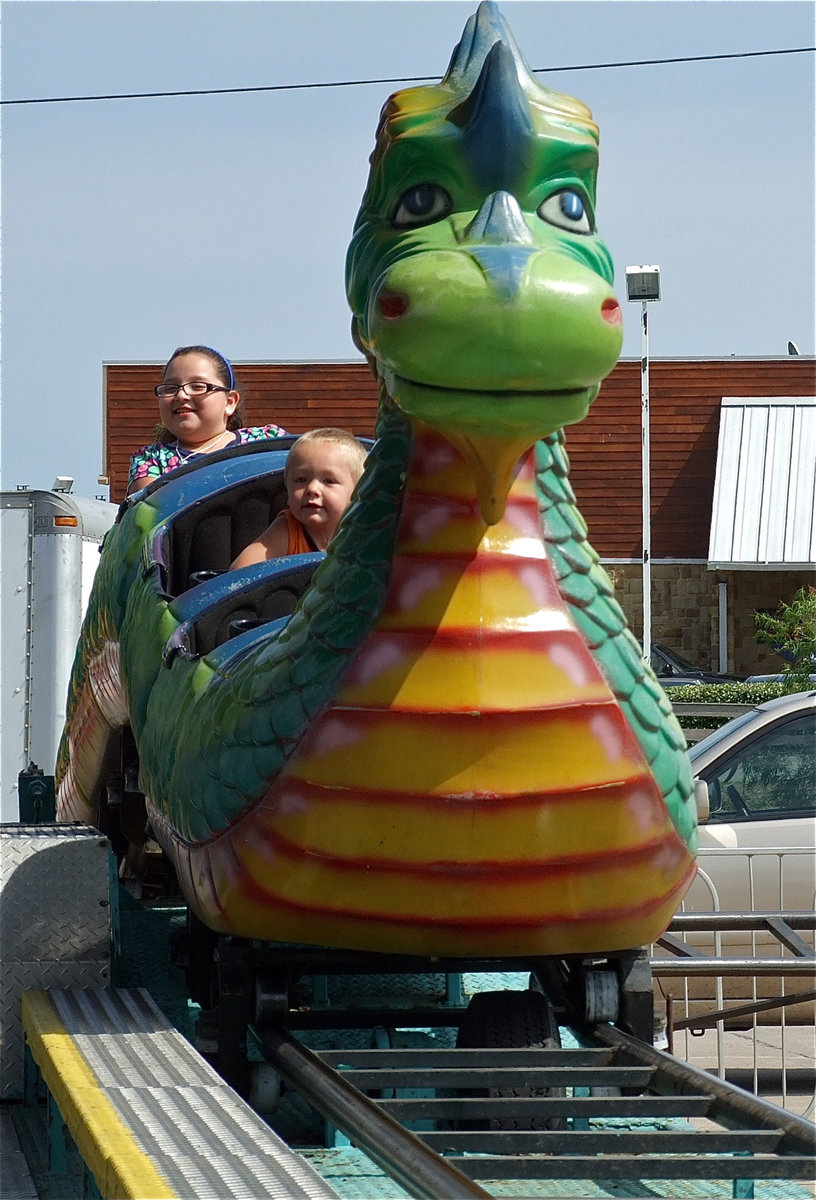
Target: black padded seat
<point>209,535</point>
<point>217,606</point>
<point>225,501</point>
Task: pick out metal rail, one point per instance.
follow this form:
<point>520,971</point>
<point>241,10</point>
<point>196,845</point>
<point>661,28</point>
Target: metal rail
<point>487,1130</point>
<point>710,1019</point>
<point>400,1153</point>
<point>697,921</point>
<point>731,1105</point>
<point>732,966</point>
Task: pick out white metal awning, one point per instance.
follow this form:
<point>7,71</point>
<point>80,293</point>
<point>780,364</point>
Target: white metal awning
<point>764,510</point>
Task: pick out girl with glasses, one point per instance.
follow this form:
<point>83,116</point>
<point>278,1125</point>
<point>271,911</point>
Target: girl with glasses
<point>200,411</point>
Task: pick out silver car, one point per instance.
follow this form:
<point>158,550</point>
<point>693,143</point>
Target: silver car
<point>760,772</point>
<point>757,776</point>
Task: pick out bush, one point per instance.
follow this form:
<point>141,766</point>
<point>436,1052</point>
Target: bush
<point>791,630</point>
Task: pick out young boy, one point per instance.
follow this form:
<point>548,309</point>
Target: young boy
<point>322,470</point>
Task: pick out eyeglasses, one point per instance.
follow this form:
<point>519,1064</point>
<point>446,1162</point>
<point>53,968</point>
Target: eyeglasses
<point>196,388</point>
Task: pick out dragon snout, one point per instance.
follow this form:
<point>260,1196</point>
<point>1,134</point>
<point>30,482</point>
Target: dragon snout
<point>504,317</point>
<point>393,306</point>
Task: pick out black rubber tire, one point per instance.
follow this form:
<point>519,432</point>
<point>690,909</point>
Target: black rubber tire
<point>495,1020</point>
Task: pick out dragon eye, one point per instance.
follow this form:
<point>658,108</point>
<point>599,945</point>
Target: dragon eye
<point>421,205</point>
<point>567,210</point>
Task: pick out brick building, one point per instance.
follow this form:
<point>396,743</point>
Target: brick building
<point>729,534</point>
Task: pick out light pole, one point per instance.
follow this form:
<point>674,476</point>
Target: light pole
<point>643,284</point>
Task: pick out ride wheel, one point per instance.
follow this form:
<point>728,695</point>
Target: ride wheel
<point>511,1020</point>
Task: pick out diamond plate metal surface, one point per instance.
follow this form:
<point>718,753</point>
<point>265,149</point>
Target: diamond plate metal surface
<point>17,1181</point>
<point>54,923</point>
<point>54,886</point>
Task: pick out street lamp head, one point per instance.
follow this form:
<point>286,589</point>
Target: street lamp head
<point>643,283</point>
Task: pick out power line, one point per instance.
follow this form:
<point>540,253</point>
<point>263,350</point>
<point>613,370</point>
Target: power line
<point>344,83</point>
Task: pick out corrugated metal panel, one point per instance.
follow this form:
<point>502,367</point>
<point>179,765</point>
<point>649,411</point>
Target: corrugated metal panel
<point>764,510</point>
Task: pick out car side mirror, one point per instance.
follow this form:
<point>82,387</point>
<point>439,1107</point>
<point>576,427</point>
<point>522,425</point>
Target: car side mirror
<point>701,799</point>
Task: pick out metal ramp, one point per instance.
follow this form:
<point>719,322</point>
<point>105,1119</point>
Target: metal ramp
<point>148,1115</point>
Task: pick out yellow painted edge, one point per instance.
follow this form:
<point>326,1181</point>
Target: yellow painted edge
<point>119,1165</point>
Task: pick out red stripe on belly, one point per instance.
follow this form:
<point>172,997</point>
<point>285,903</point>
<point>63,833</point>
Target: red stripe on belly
<point>256,893</point>
<point>301,793</point>
<point>397,652</point>
<point>486,872</point>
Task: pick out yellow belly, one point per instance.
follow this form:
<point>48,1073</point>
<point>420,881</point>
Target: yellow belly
<point>474,788</point>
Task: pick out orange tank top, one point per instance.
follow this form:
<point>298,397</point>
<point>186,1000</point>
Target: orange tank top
<point>298,539</point>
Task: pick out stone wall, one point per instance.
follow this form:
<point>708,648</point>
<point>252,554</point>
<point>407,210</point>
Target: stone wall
<point>685,610</point>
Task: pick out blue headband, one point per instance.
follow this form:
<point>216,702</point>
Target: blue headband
<point>226,363</point>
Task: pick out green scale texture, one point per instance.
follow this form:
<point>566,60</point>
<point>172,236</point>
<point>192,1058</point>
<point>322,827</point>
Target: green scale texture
<point>588,593</point>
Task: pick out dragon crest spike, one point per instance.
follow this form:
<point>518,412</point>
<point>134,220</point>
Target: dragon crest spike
<point>482,31</point>
<point>496,121</point>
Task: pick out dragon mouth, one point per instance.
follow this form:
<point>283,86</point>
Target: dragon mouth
<point>499,393</point>
<point>504,413</point>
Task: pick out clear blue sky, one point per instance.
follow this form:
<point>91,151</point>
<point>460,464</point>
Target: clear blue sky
<point>132,226</point>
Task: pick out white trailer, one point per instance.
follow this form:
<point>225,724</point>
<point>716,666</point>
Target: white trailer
<point>50,551</point>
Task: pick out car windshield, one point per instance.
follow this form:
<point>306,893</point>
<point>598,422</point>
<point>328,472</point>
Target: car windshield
<point>718,735</point>
<point>677,660</point>
<point>769,775</point>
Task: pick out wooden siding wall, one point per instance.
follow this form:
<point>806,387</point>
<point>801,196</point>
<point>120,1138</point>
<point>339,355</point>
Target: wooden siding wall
<point>604,449</point>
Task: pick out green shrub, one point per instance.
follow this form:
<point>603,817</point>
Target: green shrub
<point>791,630</point>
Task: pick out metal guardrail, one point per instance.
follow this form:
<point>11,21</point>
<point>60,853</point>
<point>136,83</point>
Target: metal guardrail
<point>780,945</point>
<point>722,712</point>
<point>726,711</point>
<point>781,926</point>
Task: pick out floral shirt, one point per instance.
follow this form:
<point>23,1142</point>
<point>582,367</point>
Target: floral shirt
<point>149,462</point>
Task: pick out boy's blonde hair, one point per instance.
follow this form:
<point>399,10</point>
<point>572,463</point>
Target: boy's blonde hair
<point>353,452</point>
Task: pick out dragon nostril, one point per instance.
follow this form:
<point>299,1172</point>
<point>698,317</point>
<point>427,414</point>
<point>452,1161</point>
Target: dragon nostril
<point>611,312</point>
<point>392,305</point>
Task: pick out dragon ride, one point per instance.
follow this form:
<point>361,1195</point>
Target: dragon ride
<point>452,745</point>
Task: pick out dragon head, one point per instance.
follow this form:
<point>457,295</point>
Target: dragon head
<point>480,289</point>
